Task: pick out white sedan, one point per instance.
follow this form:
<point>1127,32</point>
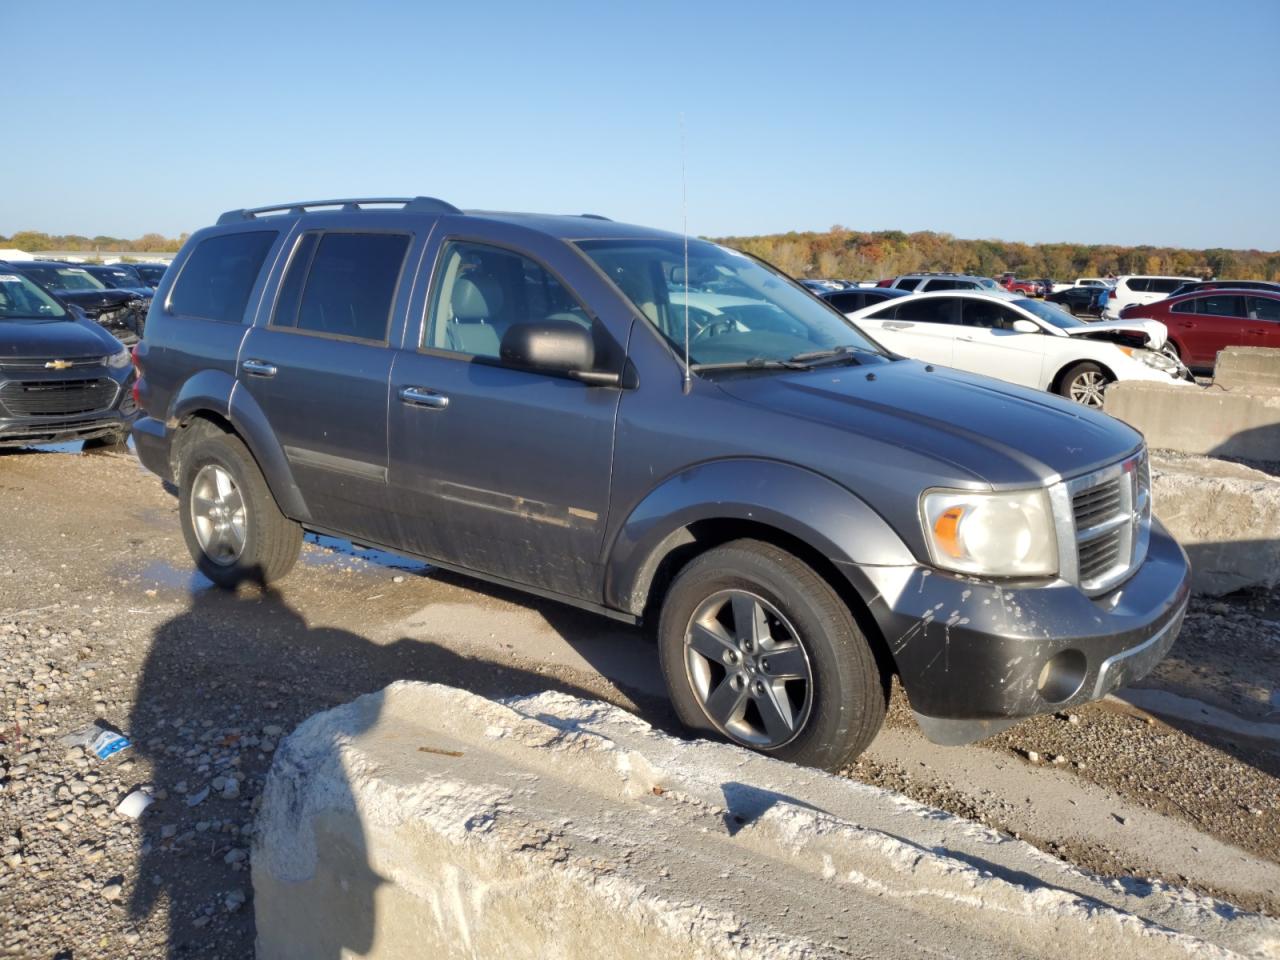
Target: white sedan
<point>1023,341</point>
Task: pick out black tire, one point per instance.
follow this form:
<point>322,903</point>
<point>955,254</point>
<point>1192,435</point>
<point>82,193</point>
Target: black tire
<point>271,541</point>
<point>848,692</point>
<point>1074,383</point>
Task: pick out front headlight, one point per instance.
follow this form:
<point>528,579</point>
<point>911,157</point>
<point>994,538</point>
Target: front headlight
<point>118,360</point>
<point>991,534</point>
<point>1151,358</point>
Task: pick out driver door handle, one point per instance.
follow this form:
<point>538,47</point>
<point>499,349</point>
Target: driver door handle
<point>258,368</point>
<point>422,397</point>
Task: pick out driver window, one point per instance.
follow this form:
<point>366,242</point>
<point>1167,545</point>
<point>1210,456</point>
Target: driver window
<point>482,291</point>
<point>986,314</point>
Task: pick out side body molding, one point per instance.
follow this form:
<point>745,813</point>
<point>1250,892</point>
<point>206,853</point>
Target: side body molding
<point>799,502</point>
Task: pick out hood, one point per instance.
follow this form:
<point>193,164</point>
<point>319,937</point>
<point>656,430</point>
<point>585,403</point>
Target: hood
<point>1131,332</point>
<point>986,430</point>
<point>94,301</point>
<point>68,339</point>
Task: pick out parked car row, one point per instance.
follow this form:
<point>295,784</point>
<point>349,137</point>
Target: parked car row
<point>114,296</point>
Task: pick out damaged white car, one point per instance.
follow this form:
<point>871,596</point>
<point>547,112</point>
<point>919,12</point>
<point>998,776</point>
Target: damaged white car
<point>1023,341</point>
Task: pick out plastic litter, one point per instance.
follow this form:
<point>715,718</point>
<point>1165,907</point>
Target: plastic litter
<point>99,739</point>
<point>136,802</point>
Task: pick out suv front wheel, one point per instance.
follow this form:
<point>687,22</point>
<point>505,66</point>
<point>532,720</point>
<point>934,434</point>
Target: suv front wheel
<point>758,649</point>
<point>231,523</point>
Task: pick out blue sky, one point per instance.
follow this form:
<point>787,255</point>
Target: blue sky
<point>1091,122</point>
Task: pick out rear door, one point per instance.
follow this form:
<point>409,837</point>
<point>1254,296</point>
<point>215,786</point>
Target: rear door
<point>1262,327</point>
<point>319,366</point>
<point>987,343</point>
<point>497,469</point>
<point>920,328</point>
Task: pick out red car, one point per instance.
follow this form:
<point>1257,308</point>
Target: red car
<point>1205,321</point>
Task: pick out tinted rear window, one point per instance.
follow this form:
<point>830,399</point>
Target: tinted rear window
<point>1163,284</point>
<point>926,311</point>
<point>845,302</point>
<point>351,284</point>
<point>908,283</point>
<point>1137,284</point>
<point>219,275</point>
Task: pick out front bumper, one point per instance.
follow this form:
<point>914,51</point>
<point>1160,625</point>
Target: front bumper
<point>29,429</point>
<point>975,656</point>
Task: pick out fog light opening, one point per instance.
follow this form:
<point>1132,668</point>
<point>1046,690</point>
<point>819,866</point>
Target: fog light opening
<point>1062,676</point>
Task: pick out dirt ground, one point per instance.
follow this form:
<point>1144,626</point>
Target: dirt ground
<point>102,616</point>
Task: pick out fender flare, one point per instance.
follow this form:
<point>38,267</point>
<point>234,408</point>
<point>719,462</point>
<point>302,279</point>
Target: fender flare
<point>218,392</point>
<point>803,504</point>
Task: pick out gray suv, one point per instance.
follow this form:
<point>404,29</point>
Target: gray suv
<point>660,431</point>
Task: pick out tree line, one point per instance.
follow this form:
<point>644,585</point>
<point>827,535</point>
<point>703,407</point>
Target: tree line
<point>33,241</point>
<point>846,254</point>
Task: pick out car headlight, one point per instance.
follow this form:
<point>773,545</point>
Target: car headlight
<point>991,534</point>
<point>118,360</point>
<point>1151,358</point>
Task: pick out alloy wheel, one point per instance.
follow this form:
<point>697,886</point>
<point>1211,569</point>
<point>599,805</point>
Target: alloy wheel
<point>218,515</point>
<point>1088,388</point>
<point>748,669</point>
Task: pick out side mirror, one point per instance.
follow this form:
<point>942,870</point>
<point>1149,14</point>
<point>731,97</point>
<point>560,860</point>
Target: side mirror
<point>555,346</point>
<point>1025,326</point>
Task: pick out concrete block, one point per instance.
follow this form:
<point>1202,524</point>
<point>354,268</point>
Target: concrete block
<point>1208,420</point>
<point>425,821</point>
<point>1244,368</point>
<point>1225,515</point>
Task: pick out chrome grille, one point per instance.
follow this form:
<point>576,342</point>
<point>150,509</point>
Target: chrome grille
<point>46,363</point>
<point>57,398</point>
<point>1110,526</point>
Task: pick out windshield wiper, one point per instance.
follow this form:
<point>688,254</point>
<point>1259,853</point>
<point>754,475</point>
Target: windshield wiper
<point>752,363</point>
<point>842,352</point>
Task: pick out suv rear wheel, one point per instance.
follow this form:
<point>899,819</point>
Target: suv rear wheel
<point>231,523</point>
<point>758,649</point>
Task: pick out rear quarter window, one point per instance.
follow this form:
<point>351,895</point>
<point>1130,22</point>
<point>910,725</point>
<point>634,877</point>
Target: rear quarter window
<point>1136,284</point>
<point>218,277</point>
<point>1163,284</point>
<point>908,283</point>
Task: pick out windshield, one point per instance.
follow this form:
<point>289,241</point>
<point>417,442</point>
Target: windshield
<point>740,312</point>
<point>20,299</point>
<point>115,277</point>
<point>988,284</point>
<point>149,271</point>
<point>65,278</point>
<point>1050,313</point>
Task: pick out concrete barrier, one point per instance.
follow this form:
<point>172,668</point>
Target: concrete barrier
<point>426,821</point>
<point>1225,515</point>
<point>1246,368</point>
<point>1206,420</point>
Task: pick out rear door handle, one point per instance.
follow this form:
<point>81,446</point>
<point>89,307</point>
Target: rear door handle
<point>258,368</point>
<point>422,397</point>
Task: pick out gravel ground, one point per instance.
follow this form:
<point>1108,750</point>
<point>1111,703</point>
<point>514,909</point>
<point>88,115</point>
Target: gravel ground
<point>101,617</point>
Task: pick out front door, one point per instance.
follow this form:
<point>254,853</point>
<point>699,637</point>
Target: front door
<point>319,371</point>
<point>987,343</point>
<point>501,470</point>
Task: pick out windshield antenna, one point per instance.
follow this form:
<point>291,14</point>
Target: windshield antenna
<point>684,215</point>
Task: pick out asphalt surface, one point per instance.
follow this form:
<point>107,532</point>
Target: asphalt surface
<point>103,617</point>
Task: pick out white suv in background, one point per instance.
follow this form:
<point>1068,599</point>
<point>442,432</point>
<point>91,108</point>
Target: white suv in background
<point>930,282</point>
<point>1130,290</point>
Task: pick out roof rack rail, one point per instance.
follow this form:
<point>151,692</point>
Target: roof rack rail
<point>595,216</point>
<point>349,205</point>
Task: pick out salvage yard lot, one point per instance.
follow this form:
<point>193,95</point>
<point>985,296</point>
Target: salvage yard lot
<point>102,615</point>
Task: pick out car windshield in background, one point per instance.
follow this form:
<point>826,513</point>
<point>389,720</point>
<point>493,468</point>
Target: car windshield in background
<point>20,299</point>
<point>988,284</point>
<point>1050,313</point>
<point>117,278</point>
<point>742,315</point>
<point>65,278</point>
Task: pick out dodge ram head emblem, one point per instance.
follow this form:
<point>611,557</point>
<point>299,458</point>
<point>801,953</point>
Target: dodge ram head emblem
<point>57,365</point>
